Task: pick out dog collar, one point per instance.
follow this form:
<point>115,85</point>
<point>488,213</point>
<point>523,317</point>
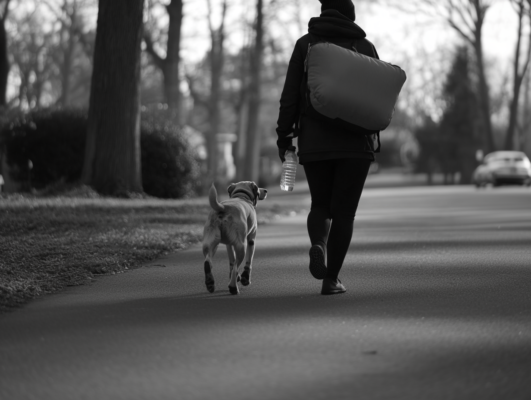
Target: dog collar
<point>248,197</point>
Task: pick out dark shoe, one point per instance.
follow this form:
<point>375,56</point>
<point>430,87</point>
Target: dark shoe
<point>317,262</point>
<point>332,286</point>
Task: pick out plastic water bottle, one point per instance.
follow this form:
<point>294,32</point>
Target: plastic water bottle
<point>289,170</point>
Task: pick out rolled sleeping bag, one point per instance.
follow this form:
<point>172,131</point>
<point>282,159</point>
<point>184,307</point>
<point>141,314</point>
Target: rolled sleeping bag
<point>353,87</point>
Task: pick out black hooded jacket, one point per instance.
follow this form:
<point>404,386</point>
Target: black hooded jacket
<point>319,140</point>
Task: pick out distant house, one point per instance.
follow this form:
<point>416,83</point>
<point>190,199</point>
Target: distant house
<point>226,164</point>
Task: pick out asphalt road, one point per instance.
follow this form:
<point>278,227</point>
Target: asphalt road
<point>438,307</point>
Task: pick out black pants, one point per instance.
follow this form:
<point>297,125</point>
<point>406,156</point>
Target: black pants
<point>335,187</point>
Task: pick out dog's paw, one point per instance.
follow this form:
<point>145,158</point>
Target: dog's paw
<point>211,287</point>
<point>246,278</point>
<point>209,278</point>
<point>234,290</point>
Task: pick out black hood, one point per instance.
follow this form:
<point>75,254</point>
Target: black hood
<point>332,23</point>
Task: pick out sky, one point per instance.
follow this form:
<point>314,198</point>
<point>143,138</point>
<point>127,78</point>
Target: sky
<point>391,30</point>
<point>420,44</point>
<point>399,37</point>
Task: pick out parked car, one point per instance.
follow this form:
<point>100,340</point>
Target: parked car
<point>503,167</point>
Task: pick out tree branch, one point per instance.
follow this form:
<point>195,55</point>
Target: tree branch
<point>157,59</point>
<point>6,10</point>
<point>194,93</point>
<point>461,32</point>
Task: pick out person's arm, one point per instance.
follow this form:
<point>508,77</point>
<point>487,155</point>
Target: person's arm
<point>375,52</point>
<point>289,101</point>
<point>376,137</point>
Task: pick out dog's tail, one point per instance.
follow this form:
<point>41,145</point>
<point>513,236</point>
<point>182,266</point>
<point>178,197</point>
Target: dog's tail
<point>213,199</point>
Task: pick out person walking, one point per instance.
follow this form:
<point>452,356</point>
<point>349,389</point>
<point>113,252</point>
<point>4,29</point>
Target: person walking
<point>336,159</point>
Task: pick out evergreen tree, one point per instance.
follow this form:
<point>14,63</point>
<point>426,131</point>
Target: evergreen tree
<point>428,137</point>
<point>458,128</point>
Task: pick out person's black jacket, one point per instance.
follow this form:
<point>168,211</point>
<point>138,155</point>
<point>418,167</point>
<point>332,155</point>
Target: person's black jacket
<point>320,140</point>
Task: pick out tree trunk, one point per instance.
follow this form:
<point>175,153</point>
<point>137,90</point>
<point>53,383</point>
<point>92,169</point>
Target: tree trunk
<point>217,59</point>
<point>171,63</point>
<point>253,134</point>
<point>484,95</point>
<point>525,131</point>
<point>66,71</point>
<point>513,118</point>
<point>112,154</point>
<point>241,126</point>
<point>68,48</point>
<point>214,115</point>
<point>242,112</point>
<point>4,59</point>
<point>518,78</point>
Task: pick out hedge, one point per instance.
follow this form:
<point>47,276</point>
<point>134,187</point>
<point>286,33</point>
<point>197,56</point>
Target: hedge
<point>54,141</point>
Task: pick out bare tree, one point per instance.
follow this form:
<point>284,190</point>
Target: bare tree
<point>29,48</point>
<point>241,103</point>
<point>49,59</point>
<point>169,64</point>
<point>4,59</point>
<point>70,37</point>
<point>253,134</point>
<point>520,67</point>
<point>217,59</point>
<point>524,134</point>
<point>467,18</point>
<point>112,154</point>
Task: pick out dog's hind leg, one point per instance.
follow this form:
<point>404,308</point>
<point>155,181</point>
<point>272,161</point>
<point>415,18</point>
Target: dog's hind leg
<point>209,251</point>
<point>239,249</point>
<point>232,261</point>
<point>246,274</point>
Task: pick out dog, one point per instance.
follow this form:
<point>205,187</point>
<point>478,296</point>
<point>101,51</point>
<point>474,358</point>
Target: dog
<point>232,223</point>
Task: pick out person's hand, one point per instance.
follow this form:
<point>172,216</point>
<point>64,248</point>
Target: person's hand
<point>282,154</point>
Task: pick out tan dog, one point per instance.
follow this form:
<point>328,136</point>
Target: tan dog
<point>232,223</point>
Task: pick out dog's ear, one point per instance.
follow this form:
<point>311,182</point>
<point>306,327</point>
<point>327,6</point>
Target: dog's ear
<point>259,193</point>
<point>262,194</point>
<point>230,189</point>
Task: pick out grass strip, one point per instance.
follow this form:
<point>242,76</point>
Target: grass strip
<point>47,244</point>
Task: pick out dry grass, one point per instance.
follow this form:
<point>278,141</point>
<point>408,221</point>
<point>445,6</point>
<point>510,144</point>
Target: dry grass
<point>47,244</point>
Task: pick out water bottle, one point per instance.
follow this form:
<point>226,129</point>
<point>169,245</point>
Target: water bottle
<point>289,170</point>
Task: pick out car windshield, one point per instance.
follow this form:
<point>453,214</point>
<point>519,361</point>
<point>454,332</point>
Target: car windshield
<point>505,160</point>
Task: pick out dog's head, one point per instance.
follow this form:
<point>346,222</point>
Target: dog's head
<point>249,189</point>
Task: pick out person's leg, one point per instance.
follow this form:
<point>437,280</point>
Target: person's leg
<point>320,180</point>
<point>349,178</point>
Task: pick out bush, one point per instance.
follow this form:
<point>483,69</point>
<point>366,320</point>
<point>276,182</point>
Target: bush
<point>54,141</point>
<point>169,167</point>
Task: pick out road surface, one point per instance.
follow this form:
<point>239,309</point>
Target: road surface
<point>438,307</point>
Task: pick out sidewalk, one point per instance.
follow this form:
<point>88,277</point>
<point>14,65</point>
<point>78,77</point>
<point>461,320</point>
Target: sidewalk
<point>384,179</point>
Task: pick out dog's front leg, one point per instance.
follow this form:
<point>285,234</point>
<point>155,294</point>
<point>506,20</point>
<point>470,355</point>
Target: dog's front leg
<point>246,274</point>
<point>239,249</point>
<point>232,259</point>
